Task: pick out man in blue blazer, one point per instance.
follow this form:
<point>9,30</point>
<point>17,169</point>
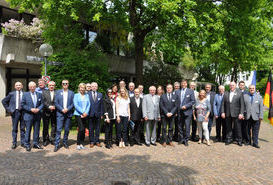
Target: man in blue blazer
<point>64,106</point>
<point>32,105</point>
<point>186,101</point>
<point>12,104</point>
<point>96,113</point>
<point>220,122</point>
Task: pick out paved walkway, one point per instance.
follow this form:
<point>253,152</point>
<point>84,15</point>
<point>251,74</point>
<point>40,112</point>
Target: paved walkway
<point>196,164</point>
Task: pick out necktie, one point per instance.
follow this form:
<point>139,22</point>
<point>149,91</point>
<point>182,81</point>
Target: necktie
<point>19,100</point>
<point>34,99</point>
<point>182,96</point>
<point>94,96</point>
<point>251,96</point>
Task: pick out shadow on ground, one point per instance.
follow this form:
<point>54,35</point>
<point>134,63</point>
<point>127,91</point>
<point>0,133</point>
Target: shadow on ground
<point>92,168</point>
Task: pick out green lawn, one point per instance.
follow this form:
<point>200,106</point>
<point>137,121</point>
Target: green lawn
<point>266,116</point>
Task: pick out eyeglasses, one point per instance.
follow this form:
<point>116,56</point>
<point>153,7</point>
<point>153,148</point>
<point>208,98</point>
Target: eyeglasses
<point>65,83</point>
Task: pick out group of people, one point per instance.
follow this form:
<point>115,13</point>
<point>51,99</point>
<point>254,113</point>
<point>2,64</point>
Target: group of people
<point>138,117</point>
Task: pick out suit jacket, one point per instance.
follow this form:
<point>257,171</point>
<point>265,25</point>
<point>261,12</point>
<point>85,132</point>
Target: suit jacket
<point>255,110</point>
<point>108,107</point>
<point>188,101</point>
<point>235,107</point>
<point>217,104</point>
<point>59,103</point>
<point>96,107</point>
<point>78,104</point>
<point>27,104</point>
<point>212,96</point>
<point>9,102</point>
<point>149,108</point>
<point>168,106</point>
<point>136,111</point>
<point>48,102</point>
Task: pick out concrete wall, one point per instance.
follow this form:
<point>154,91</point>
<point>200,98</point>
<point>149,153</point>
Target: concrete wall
<point>3,88</point>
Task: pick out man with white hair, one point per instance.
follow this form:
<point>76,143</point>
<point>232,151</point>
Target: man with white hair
<point>12,104</point>
<point>49,114</point>
<point>232,110</point>
<point>220,122</point>
<point>131,89</point>
<point>254,113</point>
<point>151,114</point>
<point>96,114</point>
<point>32,105</point>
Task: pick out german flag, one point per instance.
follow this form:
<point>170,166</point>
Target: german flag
<point>268,97</point>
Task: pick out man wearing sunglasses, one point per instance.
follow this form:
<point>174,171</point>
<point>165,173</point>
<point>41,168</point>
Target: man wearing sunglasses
<point>64,106</point>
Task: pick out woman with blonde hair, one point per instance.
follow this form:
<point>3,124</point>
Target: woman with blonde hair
<point>201,113</point>
<point>82,106</point>
<point>123,117</point>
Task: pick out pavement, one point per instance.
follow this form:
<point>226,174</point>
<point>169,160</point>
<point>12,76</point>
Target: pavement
<point>195,164</point>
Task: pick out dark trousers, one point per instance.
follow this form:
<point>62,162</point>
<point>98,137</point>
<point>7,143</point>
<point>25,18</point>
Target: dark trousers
<point>233,129</point>
<point>220,126</point>
<point>35,122</point>
<point>141,130</point>
<point>170,122</point>
<point>109,131</point>
<point>193,128</point>
<point>94,126</point>
<point>176,128</point>
<point>17,117</point>
<point>184,127</point>
<point>82,122</point>
<point>254,127</point>
<point>62,121</point>
<point>137,130</point>
<point>50,117</point>
<point>158,131</point>
<point>122,128</point>
<point>210,123</point>
<point>246,131</point>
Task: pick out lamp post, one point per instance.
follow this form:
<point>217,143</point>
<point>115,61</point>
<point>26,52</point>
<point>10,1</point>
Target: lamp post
<point>46,50</point>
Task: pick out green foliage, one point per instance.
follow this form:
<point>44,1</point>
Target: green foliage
<point>159,73</point>
<point>80,66</point>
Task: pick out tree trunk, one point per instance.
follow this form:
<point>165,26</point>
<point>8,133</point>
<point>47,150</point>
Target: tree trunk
<point>139,55</point>
<point>234,75</point>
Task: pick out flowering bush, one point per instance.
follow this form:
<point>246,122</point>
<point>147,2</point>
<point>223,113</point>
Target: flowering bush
<point>20,29</point>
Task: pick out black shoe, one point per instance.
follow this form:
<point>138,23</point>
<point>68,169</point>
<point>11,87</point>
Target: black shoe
<point>45,143</point>
<point>240,143</point>
<point>148,145</point>
<point>154,144</point>
<point>22,145</point>
<point>37,146</point>
<point>66,145</point>
<point>107,146</point>
<point>186,143</point>
<point>28,149</point>
<point>13,146</point>
<point>56,148</point>
<point>138,143</point>
<point>247,143</point>
<point>256,146</point>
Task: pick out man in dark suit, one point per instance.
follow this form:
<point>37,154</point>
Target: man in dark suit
<point>186,101</point>
<point>64,106</point>
<point>220,122</point>
<point>32,106</point>
<point>176,86</point>
<point>49,113</point>
<point>136,114</point>
<point>254,113</point>
<point>232,110</point>
<point>245,125</point>
<point>96,114</point>
<point>168,104</point>
<point>210,97</point>
<point>12,104</point>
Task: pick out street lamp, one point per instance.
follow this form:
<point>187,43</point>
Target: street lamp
<point>46,50</point>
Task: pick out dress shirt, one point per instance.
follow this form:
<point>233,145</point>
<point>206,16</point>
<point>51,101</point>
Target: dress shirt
<point>231,94</point>
<point>137,101</point>
<point>51,95</point>
<point>34,98</point>
<point>17,99</point>
<point>65,98</point>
